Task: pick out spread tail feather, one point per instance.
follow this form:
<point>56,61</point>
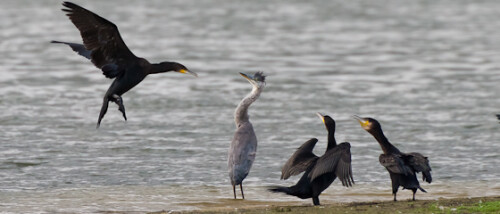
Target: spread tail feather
<point>285,190</point>
<point>421,189</point>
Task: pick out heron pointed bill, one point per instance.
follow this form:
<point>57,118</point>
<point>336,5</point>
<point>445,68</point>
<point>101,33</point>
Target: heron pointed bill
<point>321,116</point>
<point>364,122</point>
<point>185,71</point>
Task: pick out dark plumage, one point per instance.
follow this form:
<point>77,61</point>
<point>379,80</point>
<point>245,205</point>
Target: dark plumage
<point>103,45</point>
<point>320,172</point>
<point>402,167</point>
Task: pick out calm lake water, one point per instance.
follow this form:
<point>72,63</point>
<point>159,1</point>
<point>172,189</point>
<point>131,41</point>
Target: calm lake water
<point>429,71</point>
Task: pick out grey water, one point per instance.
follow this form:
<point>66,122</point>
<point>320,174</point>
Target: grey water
<point>429,71</point>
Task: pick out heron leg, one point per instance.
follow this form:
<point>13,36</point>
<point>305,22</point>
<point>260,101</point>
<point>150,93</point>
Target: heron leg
<point>104,109</point>
<point>241,187</point>
<point>234,191</point>
<point>316,201</point>
<point>119,101</point>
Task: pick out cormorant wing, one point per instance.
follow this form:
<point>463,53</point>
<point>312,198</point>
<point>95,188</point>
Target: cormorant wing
<point>420,163</point>
<point>79,48</point>
<point>395,163</point>
<point>301,160</point>
<point>102,38</point>
<point>336,160</point>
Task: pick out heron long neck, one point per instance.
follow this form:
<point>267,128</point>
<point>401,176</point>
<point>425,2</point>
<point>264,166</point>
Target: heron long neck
<point>386,146</point>
<point>161,67</point>
<point>241,112</point>
<point>332,143</point>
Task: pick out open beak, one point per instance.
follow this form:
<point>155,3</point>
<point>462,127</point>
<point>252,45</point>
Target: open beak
<point>363,122</point>
<point>249,78</point>
<point>185,71</point>
<point>321,116</point>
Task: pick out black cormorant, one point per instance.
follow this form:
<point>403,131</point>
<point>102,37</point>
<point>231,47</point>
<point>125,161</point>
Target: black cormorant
<point>320,172</point>
<point>103,45</point>
<point>402,167</point>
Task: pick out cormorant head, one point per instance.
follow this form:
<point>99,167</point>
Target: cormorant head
<point>328,121</point>
<point>257,80</point>
<point>367,123</point>
<point>177,67</point>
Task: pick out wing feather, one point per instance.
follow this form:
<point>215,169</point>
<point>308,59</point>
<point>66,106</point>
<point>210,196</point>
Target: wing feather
<point>301,160</point>
<point>420,163</point>
<point>100,36</point>
<point>336,160</point>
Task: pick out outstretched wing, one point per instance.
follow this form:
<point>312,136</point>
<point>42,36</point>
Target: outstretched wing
<point>336,160</point>
<point>420,163</point>
<point>395,163</point>
<point>79,48</point>
<point>301,160</point>
<point>100,36</point>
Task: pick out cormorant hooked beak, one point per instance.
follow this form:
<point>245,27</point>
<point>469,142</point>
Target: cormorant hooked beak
<point>321,116</point>
<point>365,123</point>
<point>185,71</point>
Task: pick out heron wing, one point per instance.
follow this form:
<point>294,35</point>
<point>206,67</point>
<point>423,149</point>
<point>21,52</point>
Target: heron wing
<point>301,160</point>
<point>336,160</point>
<point>420,163</point>
<point>102,38</point>
<point>242,152</point>
<point>395,163</point>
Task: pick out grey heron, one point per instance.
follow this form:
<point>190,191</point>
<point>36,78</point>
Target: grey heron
<point>243,148</point>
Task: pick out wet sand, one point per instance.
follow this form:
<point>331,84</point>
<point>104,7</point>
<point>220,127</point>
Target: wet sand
<point>441,205</point>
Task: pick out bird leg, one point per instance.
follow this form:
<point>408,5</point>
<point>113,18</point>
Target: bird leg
<point>316,201</point>
<point>104,109</point>
<point>234,191</point>
<point>241,187</point>
<point>119,101</point>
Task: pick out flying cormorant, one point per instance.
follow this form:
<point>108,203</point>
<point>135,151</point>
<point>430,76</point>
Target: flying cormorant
<point>103,45</point>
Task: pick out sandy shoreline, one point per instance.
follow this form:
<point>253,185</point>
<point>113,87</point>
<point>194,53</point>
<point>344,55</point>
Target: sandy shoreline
<point>446,205</point>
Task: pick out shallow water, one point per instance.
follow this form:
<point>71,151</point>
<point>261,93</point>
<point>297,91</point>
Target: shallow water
<point>427,70</point>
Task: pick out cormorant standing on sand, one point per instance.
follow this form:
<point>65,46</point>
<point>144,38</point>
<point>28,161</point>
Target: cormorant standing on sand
<point>402,167</point>
<point>320,172</point>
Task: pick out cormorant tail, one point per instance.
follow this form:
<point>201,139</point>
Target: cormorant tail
<point>421,189</point>
<point>285,190</point>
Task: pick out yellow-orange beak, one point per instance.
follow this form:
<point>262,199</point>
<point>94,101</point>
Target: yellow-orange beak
<point>185,71</point>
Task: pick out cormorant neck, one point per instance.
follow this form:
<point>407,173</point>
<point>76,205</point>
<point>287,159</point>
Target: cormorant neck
<point>386,146</point>
<point>241,112</point>
<point>161,67</point>
<point>332,143</point>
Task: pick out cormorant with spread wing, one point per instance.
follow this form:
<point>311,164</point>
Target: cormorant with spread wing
<point>402,167</point>
<point>103,45</point>
<point>319,172</point>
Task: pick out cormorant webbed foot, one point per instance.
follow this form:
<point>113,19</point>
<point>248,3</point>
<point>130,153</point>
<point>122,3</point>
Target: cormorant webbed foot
<point>119,101</point>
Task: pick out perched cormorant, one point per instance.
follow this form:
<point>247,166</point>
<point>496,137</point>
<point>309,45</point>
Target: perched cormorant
<point>402,167</point>
<point>320,172</point>
<point>244,145</point>
<point>103,45</point>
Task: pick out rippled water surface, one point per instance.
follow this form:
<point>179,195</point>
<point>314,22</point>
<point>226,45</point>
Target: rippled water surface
<point>429,71</point>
